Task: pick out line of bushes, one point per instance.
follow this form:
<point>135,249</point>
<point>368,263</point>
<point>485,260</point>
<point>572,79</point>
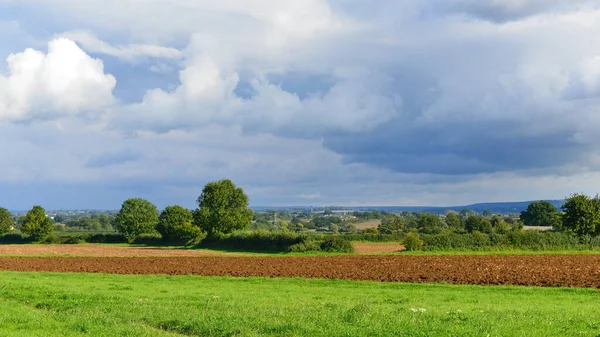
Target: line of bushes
<point>259,241</point>
<point>526,240</point>
<point>266,241</point>
<point>145,239</point>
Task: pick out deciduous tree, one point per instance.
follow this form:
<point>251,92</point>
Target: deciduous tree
<point>137,216</point>
<point>6,221</point>
<point>36,224</point>
<point>582,215</point>
<point>541,213</point>
<point>222,208</point>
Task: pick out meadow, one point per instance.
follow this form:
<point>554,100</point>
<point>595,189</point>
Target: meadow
<point>70,304</point>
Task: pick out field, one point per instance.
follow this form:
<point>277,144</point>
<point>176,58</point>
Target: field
<point>367,224</point>
<point>48,304</point>
<point>179,292</point>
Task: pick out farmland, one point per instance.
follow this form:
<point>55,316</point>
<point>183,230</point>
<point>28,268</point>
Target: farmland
<point>106,290</point>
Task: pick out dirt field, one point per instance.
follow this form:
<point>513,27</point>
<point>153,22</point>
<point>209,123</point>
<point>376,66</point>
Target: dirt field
<point>101,250</point>
<point>374,248</point>
<point>535,270</point>
<point>367,224</point>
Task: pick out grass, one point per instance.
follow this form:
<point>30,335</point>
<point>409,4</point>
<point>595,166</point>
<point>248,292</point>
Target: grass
<point>49,304</point>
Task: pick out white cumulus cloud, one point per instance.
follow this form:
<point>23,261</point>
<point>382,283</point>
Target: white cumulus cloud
<point>65,81</point>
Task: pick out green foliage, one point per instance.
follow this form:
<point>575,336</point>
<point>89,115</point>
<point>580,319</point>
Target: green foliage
<point>541,213</point>
<point>6,221</point>
<point>106,238</point>
<point>412,241</point>
<point>149,239</point>
<point>36,224</point>
<point>453,220</point>
<point>223,209</point>
<point>306,246</point>
<point>582,215</point>
<point>429,223</point>
<point>477,223</point>
<point>524,240</point>
<point>176,224</point>
<point>391,224</point>
<point>137,216</point>
<point>259,240</point>
<point>15,238</point>
<point>337,245</point>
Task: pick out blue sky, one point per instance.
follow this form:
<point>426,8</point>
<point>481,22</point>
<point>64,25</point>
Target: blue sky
<point>313,102</point>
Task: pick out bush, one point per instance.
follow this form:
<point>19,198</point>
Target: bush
<point>412,241</point>
<point>152,239</point>
<point>15,238</point>
<point>337,245</point>
<point>259,240</point>
<point>306,246</point>
<point>107,238</point>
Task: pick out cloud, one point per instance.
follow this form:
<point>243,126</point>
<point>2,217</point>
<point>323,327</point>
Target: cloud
<point>65,81</point>
<point>394,102</point>
<point>500,11</point>
<point>128,53</point>
<point>112,159</point>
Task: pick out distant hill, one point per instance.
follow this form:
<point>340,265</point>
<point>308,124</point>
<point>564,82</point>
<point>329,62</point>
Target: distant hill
<point>494,207</point>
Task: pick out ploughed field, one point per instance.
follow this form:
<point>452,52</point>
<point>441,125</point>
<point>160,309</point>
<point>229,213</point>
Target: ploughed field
<point>534,270</point>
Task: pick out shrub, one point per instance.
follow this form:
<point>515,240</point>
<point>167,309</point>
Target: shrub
<point>259,240</point>
<point>306,246</point>
<point>412,241</point>
<point>151,239</point>
<point>107,238</point>
<point>337,245</point>
<point>15,238</point>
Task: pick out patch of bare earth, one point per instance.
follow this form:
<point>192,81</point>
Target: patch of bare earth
<point>375,248</point>
<point>102,250</point>
<point>530,270</point>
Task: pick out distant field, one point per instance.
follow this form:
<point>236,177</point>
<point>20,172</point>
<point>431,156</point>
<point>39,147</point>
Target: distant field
<point>367,224</point>
<point>47,304</point>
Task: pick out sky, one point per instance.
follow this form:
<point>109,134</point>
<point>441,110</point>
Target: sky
<point>303,102</point>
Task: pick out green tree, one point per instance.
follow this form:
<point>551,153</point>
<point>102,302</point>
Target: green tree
<point>137,216</point>
<point>453,220</point>
<point>581,215</point>
<point>222,208</point>
<point>36,224</point>
<point>477,223</point>
<point>177,224</point>
<point>412,241</point>
<point>391,224</point>
<point>6,221</point>
<point>541,213</point>
<point>429,223</point>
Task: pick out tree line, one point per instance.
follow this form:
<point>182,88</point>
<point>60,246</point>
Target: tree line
<point>222,209</point>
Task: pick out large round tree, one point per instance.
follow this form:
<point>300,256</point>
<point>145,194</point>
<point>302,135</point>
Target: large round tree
<point>6,221</point>
<point>582,215</point>
<point>541,213</point>
<point>137,216</point>
<point>176,224</point>
<point>222,208</point>
<point>37,224</point>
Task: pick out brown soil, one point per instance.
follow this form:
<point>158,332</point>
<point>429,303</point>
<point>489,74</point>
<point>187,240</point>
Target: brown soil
<point>374,248</point>
<point>533,270</point>
<point>102,250</point>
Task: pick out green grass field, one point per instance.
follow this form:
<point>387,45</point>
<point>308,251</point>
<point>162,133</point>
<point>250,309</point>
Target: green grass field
<point>46,304</point>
